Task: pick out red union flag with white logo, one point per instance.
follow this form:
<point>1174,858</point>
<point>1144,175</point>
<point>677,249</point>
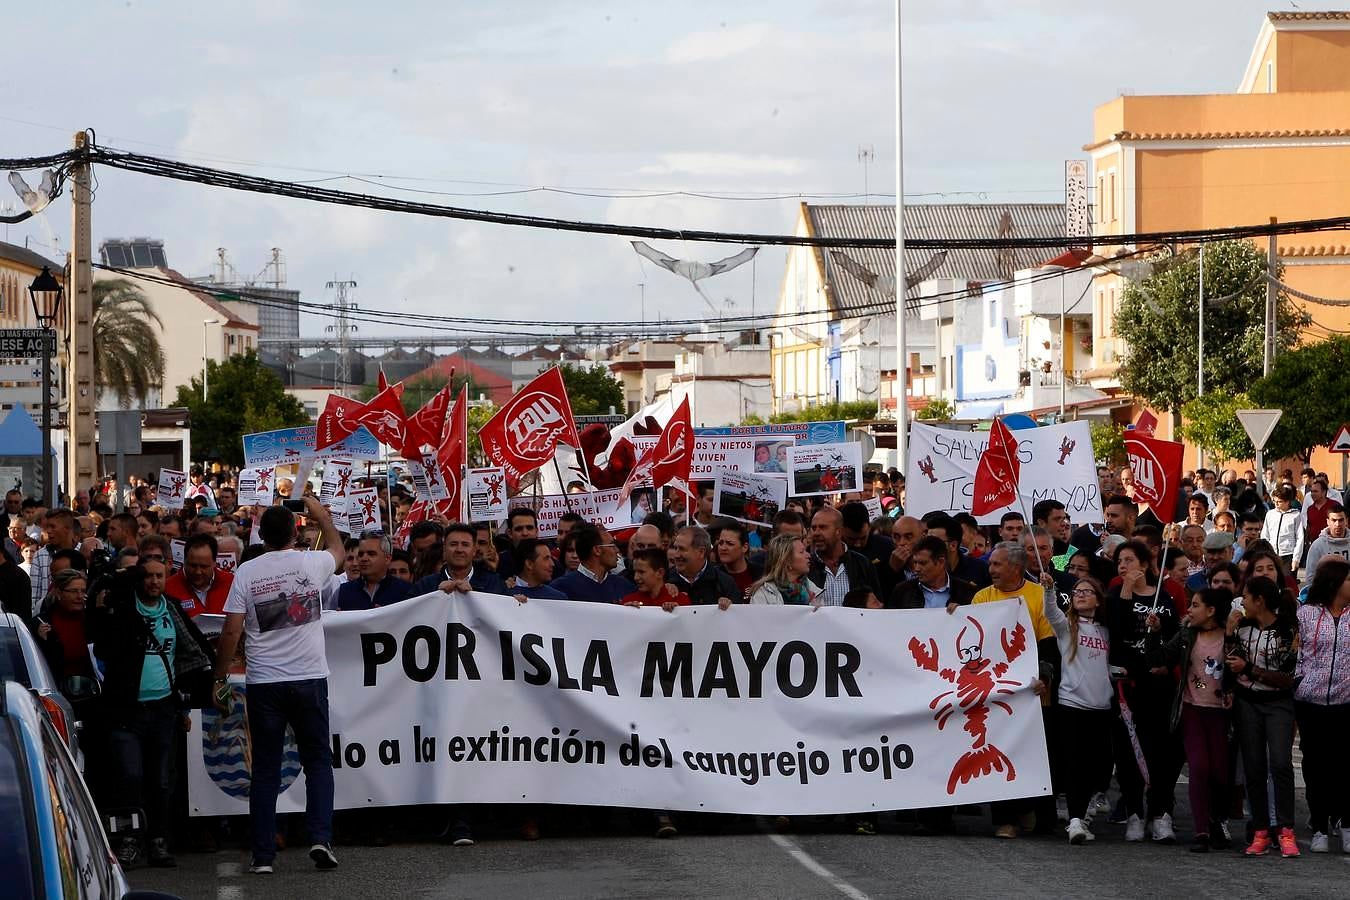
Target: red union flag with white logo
<point>670,459</point>
<point>1157,472</point>
<point>525,433</point>
<point>997,473</point>
<point>383,417</point>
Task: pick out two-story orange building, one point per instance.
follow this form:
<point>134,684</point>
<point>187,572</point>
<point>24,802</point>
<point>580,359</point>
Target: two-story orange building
<point>1278,146</point>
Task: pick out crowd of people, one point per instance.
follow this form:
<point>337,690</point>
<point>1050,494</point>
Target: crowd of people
<point>1184,640</point>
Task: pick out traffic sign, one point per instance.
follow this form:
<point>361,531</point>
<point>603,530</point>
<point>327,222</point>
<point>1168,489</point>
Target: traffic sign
<point>1259,423</point>
<point>1341,442</point>
<point>16,342</point>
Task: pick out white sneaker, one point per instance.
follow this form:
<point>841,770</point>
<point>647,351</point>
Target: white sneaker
<point>1134,829</point>
<point>1318,844</point>
<point>1078,831</point>
<point>1163,832</point>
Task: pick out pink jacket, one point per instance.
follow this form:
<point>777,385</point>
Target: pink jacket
<point>1323,673</point>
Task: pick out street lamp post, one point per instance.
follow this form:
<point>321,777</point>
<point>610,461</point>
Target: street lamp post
<point>45,292</point>
<point>206,323</point>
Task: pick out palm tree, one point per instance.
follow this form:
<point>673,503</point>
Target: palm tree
<point>128,358</point>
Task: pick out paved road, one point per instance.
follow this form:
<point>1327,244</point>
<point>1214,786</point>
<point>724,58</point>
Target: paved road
<point>750,863</point>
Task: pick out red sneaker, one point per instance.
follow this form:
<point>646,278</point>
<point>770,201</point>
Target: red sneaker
<point>1288,846</point>
<point>1260,844</point>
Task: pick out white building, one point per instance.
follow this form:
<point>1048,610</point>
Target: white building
<point>725,382</point>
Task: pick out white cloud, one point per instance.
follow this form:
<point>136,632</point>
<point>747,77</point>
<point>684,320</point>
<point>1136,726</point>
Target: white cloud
<point>714,165</point>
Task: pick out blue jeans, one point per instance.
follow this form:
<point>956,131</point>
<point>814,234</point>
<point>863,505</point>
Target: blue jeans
<point>304,706</point>
<point>143,756</point>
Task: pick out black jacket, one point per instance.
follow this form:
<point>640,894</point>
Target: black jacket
<point>908,594</point>
<point>16,593</point>
<point>856,566</point>
<point>120,641</point>
<point>878,549</point>
<point>711,585</point>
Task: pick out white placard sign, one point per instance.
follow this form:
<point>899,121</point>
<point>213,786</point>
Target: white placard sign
<point>1056,464</point>
<point>363,511</point>
<point>257,486</point>
<point>748,497</point>
<point>816,469</point>
<point>172,488</point>
<point>597,507</point>
<point>486,491</point>
<point>755,453</point>
<point>226,562</point>
<point>427,481</point>
<point>336,485</point>
<point>764,710</point>
<point>874,510</point>
<point>177,549</point>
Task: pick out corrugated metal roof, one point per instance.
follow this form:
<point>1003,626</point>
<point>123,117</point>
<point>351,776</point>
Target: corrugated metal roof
<point>931,220</point>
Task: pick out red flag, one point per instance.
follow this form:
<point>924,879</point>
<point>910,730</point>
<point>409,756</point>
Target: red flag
<point>997,473</point>
<point>335,422</point>
<point>1146,423</point>
<point>1157,472</point>
<point>452,450</point>
<point>381,382</point>
<point>425,425</point>
<point>670,459</point>
<point>525,433</point>
<point>383,417</point>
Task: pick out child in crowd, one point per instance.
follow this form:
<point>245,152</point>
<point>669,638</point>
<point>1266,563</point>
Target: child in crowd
<point>649,574</point>
<point>1262,657</point>
<point>1201,707</point>
<point>1084,716</point>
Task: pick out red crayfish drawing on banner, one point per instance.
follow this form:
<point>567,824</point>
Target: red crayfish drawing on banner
<point>978,679</point>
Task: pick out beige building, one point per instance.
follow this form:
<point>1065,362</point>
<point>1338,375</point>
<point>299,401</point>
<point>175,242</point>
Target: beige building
<point>195,327</point>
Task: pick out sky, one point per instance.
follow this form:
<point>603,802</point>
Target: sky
<point>457,102</point>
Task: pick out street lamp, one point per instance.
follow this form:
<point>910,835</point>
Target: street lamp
<point>45,292</point>
<point>206,323</point>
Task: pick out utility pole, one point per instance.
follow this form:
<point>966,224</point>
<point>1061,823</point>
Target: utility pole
<point>1200,350</point>
<point>342,373</point>
<point>81,392</point>
<point>901,361</point>
<point>1272,267</point>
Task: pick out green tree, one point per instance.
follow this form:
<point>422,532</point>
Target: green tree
<point>128,358</point>
<point>245,396</point>
<point>1312,385</point>
<point>478,417</point>
<point>1211,424</point>
<point>1157,321</point>
<point>592,391</point>
<point>1108,443</point>
<point>936,410</point>
<point>829,412</point>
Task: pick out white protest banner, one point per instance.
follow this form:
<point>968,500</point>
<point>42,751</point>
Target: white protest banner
<point>363,511</point>
<point>336,485</point>
<point>1057,464</point>
<point>758,710</point>
<point>486,490</point>
<point>739,453</point>
<point>172,487</point>
<point>257,486</point>
<point>825,468</point>
<point>597,507</point>
<point>748,497</point>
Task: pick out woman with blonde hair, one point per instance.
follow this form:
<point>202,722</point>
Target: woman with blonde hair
<point>785,566</point>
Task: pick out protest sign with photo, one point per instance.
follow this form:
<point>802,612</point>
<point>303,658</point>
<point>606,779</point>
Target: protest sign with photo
<point>776,710</point>
<point>748,497</point>
<point>597,507</point>
<point>825,468</point>
<point>172,488</point>
<point>1056,463</point>
<point>257,486</point>
<point>486,489</point>
<point>289,445</point>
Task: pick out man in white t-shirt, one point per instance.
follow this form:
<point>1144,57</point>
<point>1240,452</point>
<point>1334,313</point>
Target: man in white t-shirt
<point>275,599</point>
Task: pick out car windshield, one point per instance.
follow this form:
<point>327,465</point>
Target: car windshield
<point>17,858</point>
<point>13,667</point>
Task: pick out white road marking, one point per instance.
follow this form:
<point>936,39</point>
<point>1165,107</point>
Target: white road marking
<point>229,869</point>
<point>809,863</point>
<point>229,892</point>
